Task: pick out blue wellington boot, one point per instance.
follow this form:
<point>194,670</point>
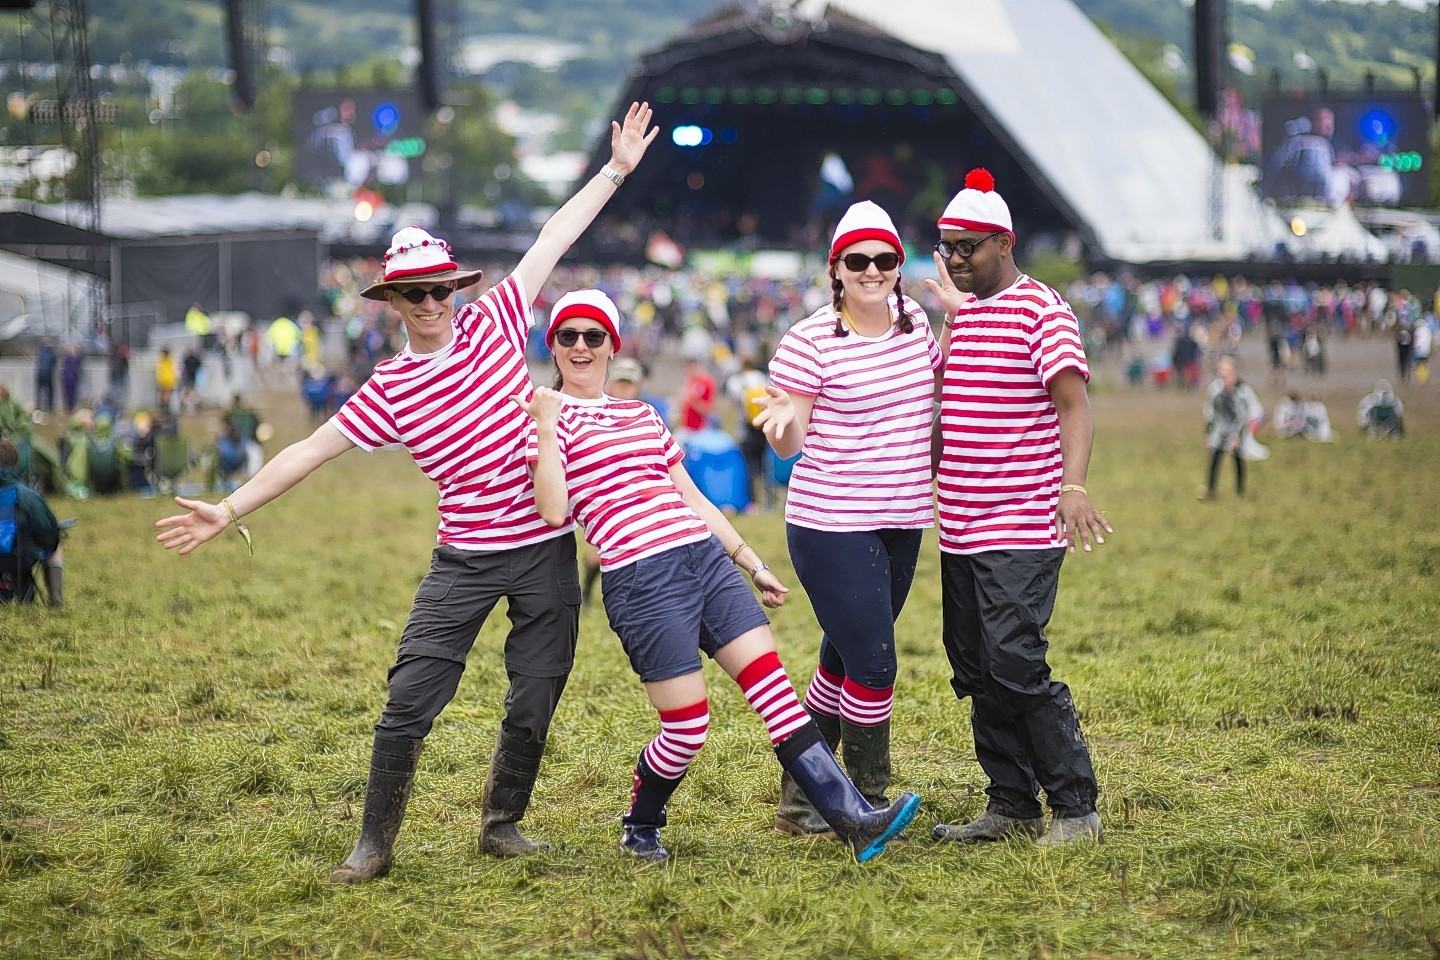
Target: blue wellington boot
<point>807,757</point>
<point>640,836</point>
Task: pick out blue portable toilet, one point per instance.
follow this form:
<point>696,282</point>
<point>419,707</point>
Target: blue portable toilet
<point>780,467</point>
<point>714,461</point>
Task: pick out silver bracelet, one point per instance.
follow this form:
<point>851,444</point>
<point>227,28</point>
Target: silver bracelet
<point>613,175</point>
<point>762,565</point>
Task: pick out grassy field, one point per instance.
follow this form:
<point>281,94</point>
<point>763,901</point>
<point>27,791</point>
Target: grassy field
<point>183,747</point>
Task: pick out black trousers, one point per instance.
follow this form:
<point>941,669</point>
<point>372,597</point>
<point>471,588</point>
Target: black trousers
<point>1027,733</point>
<point>542,588</point>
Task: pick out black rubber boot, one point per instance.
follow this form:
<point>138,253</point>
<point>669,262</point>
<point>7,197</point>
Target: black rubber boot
<point>641,826</point>
<point>796,816</point>
<point>867,759</point>
<point>392,772</point>
<point>514,764</point>
<point>867,830</point>
<point>54,583</point>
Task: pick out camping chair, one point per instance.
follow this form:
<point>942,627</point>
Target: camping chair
<point>173,461</point>
<point>17,582</point>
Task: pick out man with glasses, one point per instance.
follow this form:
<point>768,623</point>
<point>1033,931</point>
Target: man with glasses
<point>1014,438</point>
<point>447,398</point>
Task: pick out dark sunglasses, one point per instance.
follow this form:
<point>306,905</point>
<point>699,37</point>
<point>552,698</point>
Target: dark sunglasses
<point>594,337</point>
<point>859,262</point>
<point>417,297</point>
<point>966,248</point>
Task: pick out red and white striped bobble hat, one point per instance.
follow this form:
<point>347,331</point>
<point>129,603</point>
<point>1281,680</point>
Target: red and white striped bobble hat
<point>865,220</point>
<point>590,304</point>
<point>416,257</point>
<point>978,206</point>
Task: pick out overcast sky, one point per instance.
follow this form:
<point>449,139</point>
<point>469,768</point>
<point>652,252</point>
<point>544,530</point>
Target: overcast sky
<point>1418,4</point>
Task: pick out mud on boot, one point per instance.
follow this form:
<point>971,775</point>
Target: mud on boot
<point>514,765</point>
<point>392,773</point>
<point>989,827</point>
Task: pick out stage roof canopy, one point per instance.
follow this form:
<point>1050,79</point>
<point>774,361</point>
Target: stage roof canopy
<point>909,94</point>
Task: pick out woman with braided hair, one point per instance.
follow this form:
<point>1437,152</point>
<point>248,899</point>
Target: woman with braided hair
<point>852,390</point>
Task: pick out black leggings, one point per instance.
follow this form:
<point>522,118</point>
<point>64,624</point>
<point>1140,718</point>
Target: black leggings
<point>1215,459</point>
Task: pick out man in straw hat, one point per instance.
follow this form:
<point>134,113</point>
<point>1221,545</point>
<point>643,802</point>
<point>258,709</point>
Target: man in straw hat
<point>446,398</point>
<point>1014,448</point>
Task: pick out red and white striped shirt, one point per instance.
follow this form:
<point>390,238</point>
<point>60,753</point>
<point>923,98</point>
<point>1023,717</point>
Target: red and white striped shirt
<point>999,475</point>
<point>452,411</point>
<point>617,456</point>
<point>865,462</point>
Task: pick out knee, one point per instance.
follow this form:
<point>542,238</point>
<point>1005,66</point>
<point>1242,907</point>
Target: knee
<point>530,706</point>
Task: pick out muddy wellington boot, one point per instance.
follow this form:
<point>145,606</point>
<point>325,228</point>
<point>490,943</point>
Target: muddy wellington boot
<point>55,582</point>
<point>866,751</point>
<point>640,835</point>
<point>513,768</point>
<point>392,773</point>
<point>865,829</point>
<point>796,816</point>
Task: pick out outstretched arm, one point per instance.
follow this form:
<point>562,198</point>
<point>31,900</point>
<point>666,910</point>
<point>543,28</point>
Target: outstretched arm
<point>785,420</point>
<point>204,521</point>
<point>627,146</point>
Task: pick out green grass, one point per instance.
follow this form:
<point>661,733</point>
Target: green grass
<point>183,748</point>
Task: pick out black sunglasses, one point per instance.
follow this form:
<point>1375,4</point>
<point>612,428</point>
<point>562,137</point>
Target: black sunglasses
<point>417,296</point>
<point>966,248</point>
<point>594,337</point>
<point>859,262</point>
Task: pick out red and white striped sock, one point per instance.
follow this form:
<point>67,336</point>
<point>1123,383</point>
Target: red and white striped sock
<point>823,694</point>
<point>682,734</point>
<point>770,692</point>
<point>865,706</point>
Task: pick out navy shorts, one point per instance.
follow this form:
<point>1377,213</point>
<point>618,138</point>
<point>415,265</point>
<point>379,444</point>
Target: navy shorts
<point>668,608</point>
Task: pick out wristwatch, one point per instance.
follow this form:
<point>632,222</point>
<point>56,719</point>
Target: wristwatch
<point>762,565</point>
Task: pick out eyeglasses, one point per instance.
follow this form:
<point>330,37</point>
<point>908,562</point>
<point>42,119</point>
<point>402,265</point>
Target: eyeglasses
<point>966,248</point>
<point>859,262</point>
<point>594,337</point>
<point>417,296</point>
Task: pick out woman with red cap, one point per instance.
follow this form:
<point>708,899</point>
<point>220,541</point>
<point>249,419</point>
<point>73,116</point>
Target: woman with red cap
<point>668,560</point>
<point>853,393</point>
<point>446,398</point>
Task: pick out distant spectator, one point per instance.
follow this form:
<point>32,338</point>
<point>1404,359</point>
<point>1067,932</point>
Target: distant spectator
<point>1381,414</point>
<point>45,363</point>
<point>190,379</point>
<point>1231,409</point>
<point>71,368</point>
<point>167,377</point>
<point>37,528</point>
<point>697,396</point>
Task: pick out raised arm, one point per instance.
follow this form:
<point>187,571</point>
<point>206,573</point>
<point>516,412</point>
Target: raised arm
<point>627,146</point>
<point>204,521</point>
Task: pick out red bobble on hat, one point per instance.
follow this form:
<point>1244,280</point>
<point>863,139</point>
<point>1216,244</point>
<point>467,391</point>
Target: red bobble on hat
<point>979,179</point>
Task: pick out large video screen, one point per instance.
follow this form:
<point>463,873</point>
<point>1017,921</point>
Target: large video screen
<point>1369,150</point>
<point>355,137</point>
